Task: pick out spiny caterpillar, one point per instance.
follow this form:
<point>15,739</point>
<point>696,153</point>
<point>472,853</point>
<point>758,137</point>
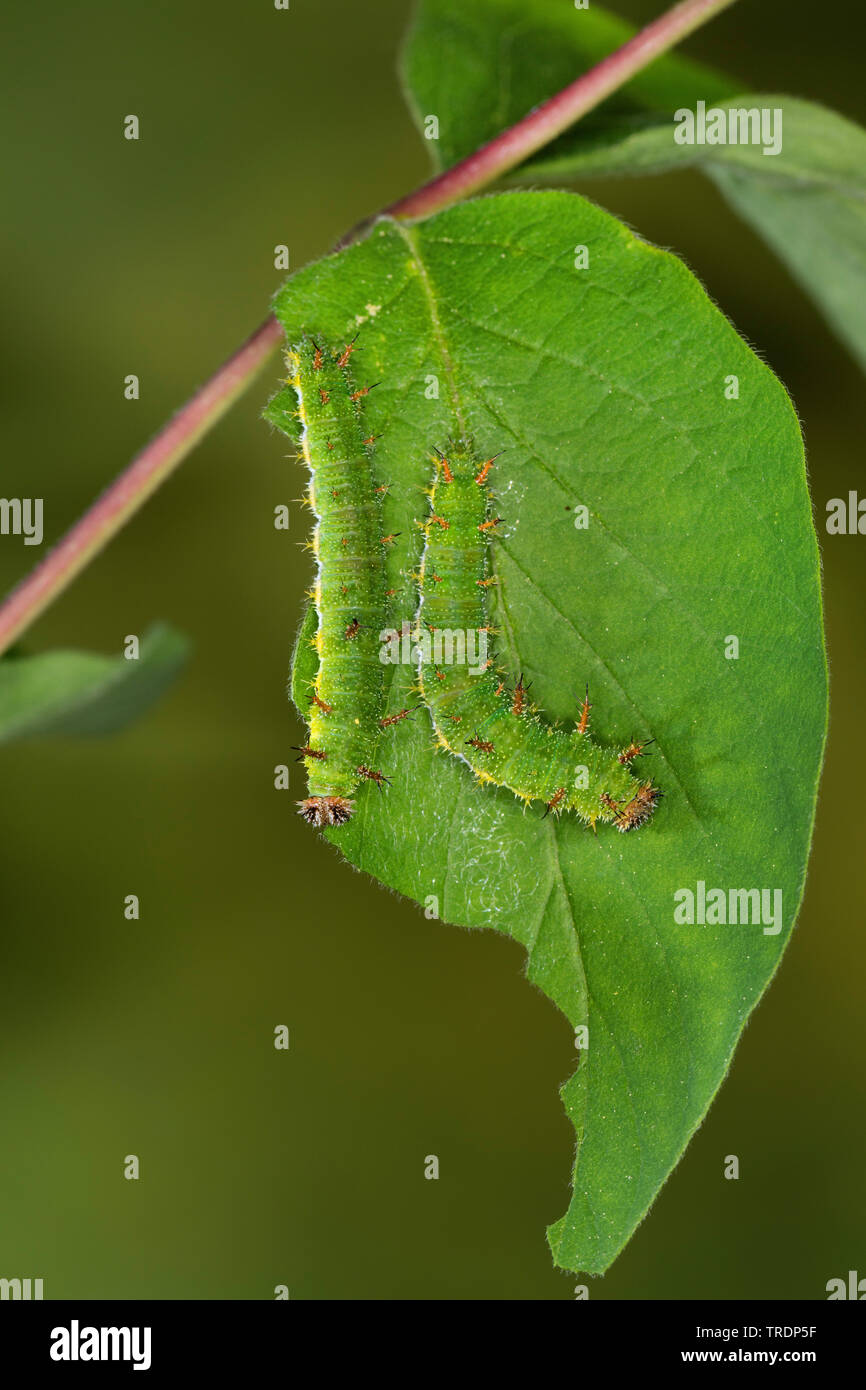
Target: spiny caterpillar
<point>505,740</point>
<point>349,593</point>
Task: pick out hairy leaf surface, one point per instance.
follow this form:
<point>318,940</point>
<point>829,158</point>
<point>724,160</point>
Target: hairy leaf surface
<point>483,66</point>
<point>607,387</point>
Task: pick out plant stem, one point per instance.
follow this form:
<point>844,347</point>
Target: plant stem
<point>550,119</point>
<point>142,477</point>
<point>157,460</point>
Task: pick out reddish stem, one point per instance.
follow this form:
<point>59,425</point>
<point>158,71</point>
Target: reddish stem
<point>142,477</point>
<point>153,464</point>
<point>550,119</point>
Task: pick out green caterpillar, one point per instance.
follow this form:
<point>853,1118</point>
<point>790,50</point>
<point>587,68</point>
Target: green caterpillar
<point>510,744</point>
<point>349,590</point>
<point>499,733</point>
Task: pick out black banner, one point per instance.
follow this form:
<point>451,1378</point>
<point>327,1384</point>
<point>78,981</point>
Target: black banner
<point>218,1338</point>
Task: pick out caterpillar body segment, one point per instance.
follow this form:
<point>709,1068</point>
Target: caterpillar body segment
<point>508,742</point>
<point>349,590</point>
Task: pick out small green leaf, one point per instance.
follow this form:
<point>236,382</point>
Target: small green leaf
<point>305,661</point>
<point>815,220</point>
<point>482,66</point>
<point>282,411</point>
<point>80,693</point>
<point>619,387</point>
<point>808,201</point>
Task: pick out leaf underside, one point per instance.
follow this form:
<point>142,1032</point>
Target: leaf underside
<point>484,65</point>
<point>85,693</point>
<point>604,387</point>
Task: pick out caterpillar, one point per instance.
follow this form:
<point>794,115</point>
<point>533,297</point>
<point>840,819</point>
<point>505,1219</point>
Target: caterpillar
<point>499,732</point>
<point>347,696</point>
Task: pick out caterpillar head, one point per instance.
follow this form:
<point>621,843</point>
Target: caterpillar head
<point>455,459</point>
<point>325,810</point>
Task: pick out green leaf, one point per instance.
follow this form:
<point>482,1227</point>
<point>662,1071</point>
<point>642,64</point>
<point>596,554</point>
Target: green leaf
<point>605,387</point>
<point>305,661</point>
<point>814,221</point>
<point>482,66</point>
<point>282,411</point>
<point>808,202</point>
<point>70,692</point>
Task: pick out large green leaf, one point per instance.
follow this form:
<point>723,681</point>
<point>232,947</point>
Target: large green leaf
<point>480,67</point>
<point>485,65</point>
<point>808,202</point>
<point>71,692</point>
<point>604,387</point>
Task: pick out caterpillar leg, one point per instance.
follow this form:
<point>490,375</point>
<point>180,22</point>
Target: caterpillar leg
<point>326,810</point>
<point>628,815</point>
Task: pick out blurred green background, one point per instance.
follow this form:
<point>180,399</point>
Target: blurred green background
<point>408,1037</point>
